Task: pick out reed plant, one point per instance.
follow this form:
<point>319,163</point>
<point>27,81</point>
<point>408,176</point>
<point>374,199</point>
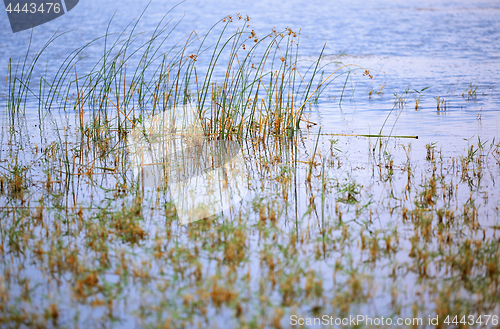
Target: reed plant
<point>241,84</point>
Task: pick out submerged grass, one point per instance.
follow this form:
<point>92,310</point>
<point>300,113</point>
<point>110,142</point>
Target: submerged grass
<point>83,244</point>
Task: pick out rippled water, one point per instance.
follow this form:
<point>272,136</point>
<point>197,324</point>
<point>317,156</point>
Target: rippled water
<point>416,52</point>
<point>447,46</point>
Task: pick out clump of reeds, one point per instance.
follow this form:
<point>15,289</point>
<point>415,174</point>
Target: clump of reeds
<point>262,91</point>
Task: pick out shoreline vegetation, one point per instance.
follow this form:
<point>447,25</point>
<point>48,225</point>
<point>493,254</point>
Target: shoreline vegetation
<point>262,92</point>
<point>335,225</point>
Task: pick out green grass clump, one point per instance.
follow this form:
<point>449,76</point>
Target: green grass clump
<point>242,85</point>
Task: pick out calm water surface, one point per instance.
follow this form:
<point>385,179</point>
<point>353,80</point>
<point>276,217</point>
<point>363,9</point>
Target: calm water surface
<point>444,47</point>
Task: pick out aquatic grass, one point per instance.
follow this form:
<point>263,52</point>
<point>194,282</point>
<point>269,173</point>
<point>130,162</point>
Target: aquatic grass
<point>470,92</point>
<point>206,267</point>
<point>258,95</point>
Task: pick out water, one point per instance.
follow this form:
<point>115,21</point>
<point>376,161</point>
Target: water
<point>445,45</point>
<point>416,52</point>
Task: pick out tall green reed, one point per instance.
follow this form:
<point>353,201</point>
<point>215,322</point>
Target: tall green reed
<point>242,85</point>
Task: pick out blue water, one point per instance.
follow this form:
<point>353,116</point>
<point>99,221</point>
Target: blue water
<point>447,46</point>
<point>444,29</point>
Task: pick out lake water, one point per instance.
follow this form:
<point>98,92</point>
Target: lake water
<point>448,46</point>
<point>419,54</point>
